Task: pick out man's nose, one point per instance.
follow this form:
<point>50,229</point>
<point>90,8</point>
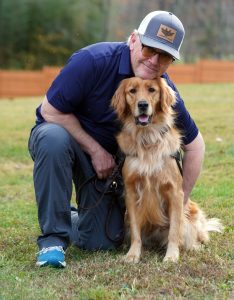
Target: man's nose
<point>154,59</point>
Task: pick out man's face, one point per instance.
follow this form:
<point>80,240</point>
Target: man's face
<point>144,67</point>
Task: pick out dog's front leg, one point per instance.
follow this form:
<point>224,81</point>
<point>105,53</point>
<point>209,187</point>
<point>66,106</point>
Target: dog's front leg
<point>134,252</point>
<point>176,225</point>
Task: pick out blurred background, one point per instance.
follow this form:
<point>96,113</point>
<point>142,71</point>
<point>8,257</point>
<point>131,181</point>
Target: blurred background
<point>35,33</point>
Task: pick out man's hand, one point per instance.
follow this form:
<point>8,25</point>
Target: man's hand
<point>103,163</point>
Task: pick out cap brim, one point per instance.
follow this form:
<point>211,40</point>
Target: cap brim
<point>159,45</point>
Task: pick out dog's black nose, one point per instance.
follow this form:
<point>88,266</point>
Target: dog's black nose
<point>142,105</point>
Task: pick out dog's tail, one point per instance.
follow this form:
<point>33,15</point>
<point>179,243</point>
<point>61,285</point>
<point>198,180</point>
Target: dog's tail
<point>215,225</point>
<point>197,227</point>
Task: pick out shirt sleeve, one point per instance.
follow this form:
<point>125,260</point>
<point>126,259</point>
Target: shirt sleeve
<point>183,121</point>
<point>73,83</point>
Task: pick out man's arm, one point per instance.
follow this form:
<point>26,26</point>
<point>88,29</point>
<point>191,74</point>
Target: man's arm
<point>102,160</point>
<point>192,164</point>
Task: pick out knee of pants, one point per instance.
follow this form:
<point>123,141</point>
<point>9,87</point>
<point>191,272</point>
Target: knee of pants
<point>92,235</point>
<point>51,140</point>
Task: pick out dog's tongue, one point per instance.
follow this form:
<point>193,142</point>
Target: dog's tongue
<point>143,118</point>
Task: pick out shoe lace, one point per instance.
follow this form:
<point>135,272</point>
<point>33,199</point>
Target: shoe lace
<point>58,248</point>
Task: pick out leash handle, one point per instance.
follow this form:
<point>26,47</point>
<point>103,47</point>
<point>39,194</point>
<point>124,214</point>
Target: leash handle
<point>93,178</point>
<point>110,182</point>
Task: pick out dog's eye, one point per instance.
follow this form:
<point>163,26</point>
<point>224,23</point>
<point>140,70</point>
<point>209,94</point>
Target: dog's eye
<point>133,91</point>
<point>151,89</point>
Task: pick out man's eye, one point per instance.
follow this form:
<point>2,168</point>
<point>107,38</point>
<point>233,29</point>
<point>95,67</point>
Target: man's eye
<point>133,91</point>
<point>151,89</point>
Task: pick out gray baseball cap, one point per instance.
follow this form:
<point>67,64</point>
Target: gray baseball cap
<point>162,30</point>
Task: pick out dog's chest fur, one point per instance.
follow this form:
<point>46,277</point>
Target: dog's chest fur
<point>148,149</point>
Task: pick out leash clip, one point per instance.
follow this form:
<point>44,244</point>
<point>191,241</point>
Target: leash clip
<point>114,185</point>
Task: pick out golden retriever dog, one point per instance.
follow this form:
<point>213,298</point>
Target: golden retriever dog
<point>153,183</point>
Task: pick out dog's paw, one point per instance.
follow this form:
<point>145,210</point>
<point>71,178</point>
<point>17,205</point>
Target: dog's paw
<point>131,258</point>
<point>171,258</point>
<point>197,247</point>
<point>134,253</point>
<point>172,254</point>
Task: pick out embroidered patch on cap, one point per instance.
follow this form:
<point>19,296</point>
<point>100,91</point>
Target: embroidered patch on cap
<point>166,33</point>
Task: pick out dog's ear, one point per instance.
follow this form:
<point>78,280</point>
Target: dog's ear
<point>118,101</point>
<point>167,95</point>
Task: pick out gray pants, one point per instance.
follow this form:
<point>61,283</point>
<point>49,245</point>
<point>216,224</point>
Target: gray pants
<point>58,162</point>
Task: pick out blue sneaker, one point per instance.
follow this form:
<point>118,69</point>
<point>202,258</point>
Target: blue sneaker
<point>51,256</point>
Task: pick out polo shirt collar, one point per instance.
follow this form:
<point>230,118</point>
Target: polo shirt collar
<point>125,67</point>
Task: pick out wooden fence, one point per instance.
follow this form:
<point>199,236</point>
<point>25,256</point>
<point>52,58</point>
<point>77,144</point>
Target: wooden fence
<point>35,83</point>
<point>205,71</point>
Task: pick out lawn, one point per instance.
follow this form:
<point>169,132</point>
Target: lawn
<point>207,274</point>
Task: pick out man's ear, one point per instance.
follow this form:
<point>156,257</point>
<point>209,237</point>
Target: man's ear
<point>132,40</point>
<point>167,95</point>
<point>118,101</point>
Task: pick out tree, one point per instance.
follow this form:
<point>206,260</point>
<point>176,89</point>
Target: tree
<point>34,33</point>
<point>45,32</point>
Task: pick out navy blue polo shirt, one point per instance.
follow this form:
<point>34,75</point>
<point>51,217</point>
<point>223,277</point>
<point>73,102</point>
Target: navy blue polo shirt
<point>86,85</point>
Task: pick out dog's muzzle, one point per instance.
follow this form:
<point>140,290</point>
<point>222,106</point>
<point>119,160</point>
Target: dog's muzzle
<point>143,118</point>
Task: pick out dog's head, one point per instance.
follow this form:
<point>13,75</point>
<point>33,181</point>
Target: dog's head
<point>144,100</point>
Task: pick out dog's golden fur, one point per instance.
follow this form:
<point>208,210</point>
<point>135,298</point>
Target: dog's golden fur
<point>153,184</point>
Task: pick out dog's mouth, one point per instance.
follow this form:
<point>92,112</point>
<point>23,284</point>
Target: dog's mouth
<point>143,120</point>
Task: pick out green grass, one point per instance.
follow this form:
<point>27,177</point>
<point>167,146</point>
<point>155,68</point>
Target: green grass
<point>207,274</point>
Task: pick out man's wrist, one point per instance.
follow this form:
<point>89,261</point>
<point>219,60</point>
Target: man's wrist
<point>94,148</point>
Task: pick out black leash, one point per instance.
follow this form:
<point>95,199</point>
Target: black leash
<point>177,155</point>
<point>111,184</point>
<point>178,158</point>
<point>94,179</point>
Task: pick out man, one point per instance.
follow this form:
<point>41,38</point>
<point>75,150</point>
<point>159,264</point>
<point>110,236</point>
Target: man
<point>74,137</point>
